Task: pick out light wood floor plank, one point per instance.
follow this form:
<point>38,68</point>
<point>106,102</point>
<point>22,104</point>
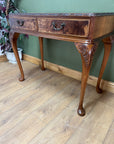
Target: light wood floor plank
<point>30,99</point>
<point>39,117</point>
<point>43,109</point>
<point>109,139</point>
<point>94,128</point>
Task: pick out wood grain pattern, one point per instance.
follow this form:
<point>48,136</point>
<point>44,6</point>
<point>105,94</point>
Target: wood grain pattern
<point>41,51</point>
<point>99,24</point>
<point>73,27</point>
<point>42,109</point>
<point>94,129</point>
<point>109,139</point>
<point>82,30</point>
<point>102,26</point>
<point>87,51</point>
<point>13,39</point>
<point>107,49</point>
<point>28,23</point>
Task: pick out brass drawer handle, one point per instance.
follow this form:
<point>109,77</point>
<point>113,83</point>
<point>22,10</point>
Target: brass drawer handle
<point>58,29</point>
<point>20,23</point>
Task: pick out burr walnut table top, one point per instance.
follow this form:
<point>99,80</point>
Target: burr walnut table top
<point>65,26</point>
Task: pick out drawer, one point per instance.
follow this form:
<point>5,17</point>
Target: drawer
<point>73,27</point>
<point>23,23</point>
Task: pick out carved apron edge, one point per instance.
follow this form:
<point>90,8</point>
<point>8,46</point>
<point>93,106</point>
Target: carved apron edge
<point>87,51</point>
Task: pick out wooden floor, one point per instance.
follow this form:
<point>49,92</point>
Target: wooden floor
<point>42,109</point>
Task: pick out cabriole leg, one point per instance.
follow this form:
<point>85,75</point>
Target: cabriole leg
<point>87,51</point>
<point>107,48</point>
<point>13,39</point>
<point>41,51</point>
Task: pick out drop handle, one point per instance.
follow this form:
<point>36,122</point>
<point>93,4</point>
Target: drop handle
<point>58,29</point>
<point>20,23</point>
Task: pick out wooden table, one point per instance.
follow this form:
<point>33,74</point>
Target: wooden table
<point>84,29</point>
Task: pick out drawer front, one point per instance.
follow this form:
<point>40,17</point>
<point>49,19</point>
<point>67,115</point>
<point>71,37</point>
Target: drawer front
<point>73,27</point>
<point>23,23</point>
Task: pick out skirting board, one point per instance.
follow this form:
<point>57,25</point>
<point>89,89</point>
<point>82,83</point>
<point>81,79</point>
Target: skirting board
<point>105,85</point>
<point>3,58</point>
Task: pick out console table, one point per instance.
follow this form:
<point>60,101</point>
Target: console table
<point>84,29</point>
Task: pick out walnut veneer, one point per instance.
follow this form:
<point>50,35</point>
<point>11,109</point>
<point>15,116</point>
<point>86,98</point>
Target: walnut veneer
<point>85,30</point>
